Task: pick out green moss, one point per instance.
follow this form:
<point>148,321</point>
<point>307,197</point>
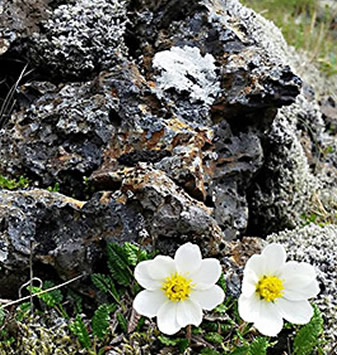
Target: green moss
<point>13,184</point>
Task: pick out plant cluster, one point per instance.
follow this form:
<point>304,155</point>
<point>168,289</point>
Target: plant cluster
<point>114,325</point>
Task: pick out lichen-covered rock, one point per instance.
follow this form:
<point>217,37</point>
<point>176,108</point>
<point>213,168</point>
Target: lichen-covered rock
<point>285,185</point>
<point>60,137</point>
<point>80,37</point>
<point>317,246</point>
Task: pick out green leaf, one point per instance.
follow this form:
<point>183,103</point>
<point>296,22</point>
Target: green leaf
<point>214,338</point>
<point>209,351</point>
<point>22,311</point>
<point>101,320</point>
<point>105,284</point>
<point>168,341</point>
<point>2,316</point>
<point>258,346</point>
<point>222,282</point>
<point>307,337</point>
<point>122,322</point>
<point>79,329</point>
<point>118,265</point>
<point>242,350</point>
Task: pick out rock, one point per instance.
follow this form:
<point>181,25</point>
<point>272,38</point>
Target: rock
<point>79,38</point>
<point>60,137</point>
<point>70,235</point>
<point>285,185</point>
<point>317,246</point>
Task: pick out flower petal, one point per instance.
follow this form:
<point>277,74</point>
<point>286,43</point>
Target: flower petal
<point>268,322</point>
<point>167,318</point>
<point>162,267</point>
<point>143,276</point>
<point>189,312</point>
<point>147,303</point>
<point>208,299</point>
<point>297,312</point>
<point>249,282</point>
<point>207,275</point>
<point>249,307</point>
<point>276,256</point>
<point>256,264</point>
<point>297,275</point>
<point>298,294</point>
<point>188,258</point>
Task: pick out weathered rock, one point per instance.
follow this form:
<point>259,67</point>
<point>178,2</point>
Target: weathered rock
<point>60,137</point>
<point>317,246</point>
<point>80,37</point>
<point>70,235</point>
<point>284,187</point>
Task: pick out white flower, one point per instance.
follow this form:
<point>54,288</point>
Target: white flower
<point>273,289</point>
<point>178,289</point>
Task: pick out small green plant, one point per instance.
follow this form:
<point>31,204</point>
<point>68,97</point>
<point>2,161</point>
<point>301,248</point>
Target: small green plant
<point>308,337</point>
<point>13,184</point>
<point>55,188</point>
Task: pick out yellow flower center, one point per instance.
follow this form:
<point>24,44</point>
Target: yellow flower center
<point>269,288</point>
<point>177,287</point>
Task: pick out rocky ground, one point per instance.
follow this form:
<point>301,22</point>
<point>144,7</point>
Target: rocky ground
<point>159,123</point>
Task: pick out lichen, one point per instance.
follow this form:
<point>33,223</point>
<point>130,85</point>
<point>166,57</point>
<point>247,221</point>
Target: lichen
<point>185,69</point>
<point>317,246</point>
<point>80,37</point>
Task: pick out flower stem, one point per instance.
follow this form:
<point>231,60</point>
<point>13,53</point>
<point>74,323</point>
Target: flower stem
<point>189,333</point>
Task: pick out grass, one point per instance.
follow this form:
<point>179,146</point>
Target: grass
<point>304,26</point>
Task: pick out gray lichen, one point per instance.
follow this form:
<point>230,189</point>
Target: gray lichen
<point>80,37</point>
<point>317,246</point>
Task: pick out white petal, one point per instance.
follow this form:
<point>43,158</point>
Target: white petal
<point>208,299</point>
<point>143,276</point>
<point>189,312</point>
<point>298,294</point>
<point>297,312</point>
<point>207,275</point>
<point>249,307</point>
<point>268,322</point>
<point>297,275</point>
<point>147,303</point>
<point>188,258</point>
<point>256,264</point>
<point>275,255</point>
<point>167,318</point>
<point>249,282</point>
<point>161,267</point>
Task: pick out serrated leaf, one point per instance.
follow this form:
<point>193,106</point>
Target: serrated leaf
<point>101,320</point>
<point>308,336</point>
<point>117,264</point>
<point>214,338</point>
<point>105,284</point>
<point>258,346</point>
<point>79,329</point>
<point>168,341</point>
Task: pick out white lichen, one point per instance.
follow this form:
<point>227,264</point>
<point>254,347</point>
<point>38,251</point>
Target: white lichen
<point>186,70</point>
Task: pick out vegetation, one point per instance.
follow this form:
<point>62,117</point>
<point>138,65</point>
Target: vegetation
<point>113,325</point>
<point>13,184</point>
<point>305,26</point>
